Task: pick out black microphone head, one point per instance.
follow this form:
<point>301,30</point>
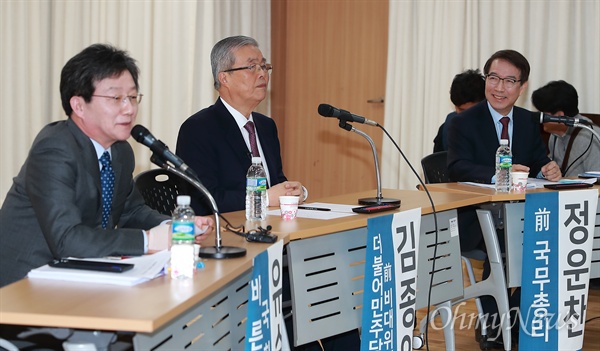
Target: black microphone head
<point>326,110</point>
<point>139,132</point>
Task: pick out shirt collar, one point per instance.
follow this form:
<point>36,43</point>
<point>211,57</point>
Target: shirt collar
<point>99,149</point>
<point>496,116</point>
<point>240,119</point>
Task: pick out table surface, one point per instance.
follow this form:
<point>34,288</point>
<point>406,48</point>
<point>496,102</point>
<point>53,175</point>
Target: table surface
<point>493,196</point>
<point>148,306</point>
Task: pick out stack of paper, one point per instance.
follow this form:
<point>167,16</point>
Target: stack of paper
<point>145,268</point>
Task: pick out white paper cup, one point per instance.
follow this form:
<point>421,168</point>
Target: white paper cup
<point>288,206</point>
<point>519,181</point>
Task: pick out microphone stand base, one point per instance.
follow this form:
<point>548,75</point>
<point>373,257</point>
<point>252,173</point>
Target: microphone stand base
<point>378,201</point>
<point>222,252</point>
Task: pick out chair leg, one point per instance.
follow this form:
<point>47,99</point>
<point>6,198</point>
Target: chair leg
<point>445,311</point>
<point>473,281</point>
<point>495,284</point>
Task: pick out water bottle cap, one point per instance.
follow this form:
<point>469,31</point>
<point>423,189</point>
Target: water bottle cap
<point>503,141</point>
<point>183,200</point>
<point>256,160</point>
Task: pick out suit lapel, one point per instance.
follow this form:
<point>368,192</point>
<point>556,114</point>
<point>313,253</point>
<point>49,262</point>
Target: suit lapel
<point>90,164</point>
<point>487,129</point>
<point>233,135</point>
<point>265,142</point>
<point>90,159</point>
<point>519,126</point>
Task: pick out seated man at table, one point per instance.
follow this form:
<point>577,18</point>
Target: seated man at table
<point>474,137</point>
<point>74,195</point>
<point>219,141</point>
<point>575,149</point>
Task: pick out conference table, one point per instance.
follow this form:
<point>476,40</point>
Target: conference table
<point>513,207</point>
<point>209,312</point>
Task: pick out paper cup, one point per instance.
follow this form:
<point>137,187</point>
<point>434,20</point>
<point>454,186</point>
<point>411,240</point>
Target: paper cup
<point>288,206</point>
<point>519,181</point>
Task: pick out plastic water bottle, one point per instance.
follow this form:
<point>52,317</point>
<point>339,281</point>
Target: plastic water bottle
<point>256,191</point>
<point>503,167</point>
<point>183,259</point>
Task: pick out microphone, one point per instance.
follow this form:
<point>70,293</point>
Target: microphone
<point>570,121</point>
<point>143,136</point>
<point>326,110</point>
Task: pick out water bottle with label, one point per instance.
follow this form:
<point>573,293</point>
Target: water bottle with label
<point>182,248</point>
<point>503,167</point>
<point>256,191</point>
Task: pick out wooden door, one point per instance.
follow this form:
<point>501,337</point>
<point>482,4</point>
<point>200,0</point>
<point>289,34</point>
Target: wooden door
<point>334,52</point>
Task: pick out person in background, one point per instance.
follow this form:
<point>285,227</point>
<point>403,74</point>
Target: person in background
<point>467,89</point>
<point>218,141</point>
<point>75,195</point>
<point>474,136</point>
<point>576,150</point>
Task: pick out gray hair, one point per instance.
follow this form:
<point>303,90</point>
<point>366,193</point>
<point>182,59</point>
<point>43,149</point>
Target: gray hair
<point>222,57</point>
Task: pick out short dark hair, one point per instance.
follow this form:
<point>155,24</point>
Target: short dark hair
<point>515,58</point>
<point>468,86</point>
<point>93,64</point>
<point>556,96</point>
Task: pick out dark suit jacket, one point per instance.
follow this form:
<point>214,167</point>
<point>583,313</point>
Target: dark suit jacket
<point>472,144</point>
<point>211,143</point>
<point>54,204</point>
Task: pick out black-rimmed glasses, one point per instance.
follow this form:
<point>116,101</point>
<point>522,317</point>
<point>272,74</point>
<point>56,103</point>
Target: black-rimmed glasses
<point>509,82</point>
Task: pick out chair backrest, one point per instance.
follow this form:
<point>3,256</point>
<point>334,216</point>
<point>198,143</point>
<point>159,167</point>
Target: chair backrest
<point>435,168</point>
<point>160,188</point>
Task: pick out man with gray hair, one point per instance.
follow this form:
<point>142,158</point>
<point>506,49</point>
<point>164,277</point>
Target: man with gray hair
<point>219,141</point>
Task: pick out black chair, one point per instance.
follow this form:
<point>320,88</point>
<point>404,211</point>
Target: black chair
<point>160,188</point>
<point>435,168</point>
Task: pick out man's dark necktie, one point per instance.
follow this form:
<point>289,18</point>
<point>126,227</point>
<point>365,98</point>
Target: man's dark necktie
<point>107,181</point>
<point>254,148</point>
<point>504,133</point>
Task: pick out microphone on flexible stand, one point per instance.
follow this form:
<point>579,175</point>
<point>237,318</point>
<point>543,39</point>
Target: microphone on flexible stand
<point>344,117</point>
<point>161,156</point>
<point>570,121</point>
<point>326,110</point>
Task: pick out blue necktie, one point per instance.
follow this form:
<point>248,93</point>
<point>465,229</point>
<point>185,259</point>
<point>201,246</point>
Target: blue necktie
<point>107,180</point>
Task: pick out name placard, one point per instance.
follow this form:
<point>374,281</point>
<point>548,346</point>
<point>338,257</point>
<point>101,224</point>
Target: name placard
<point>390,283</point>
<point>557,247</point>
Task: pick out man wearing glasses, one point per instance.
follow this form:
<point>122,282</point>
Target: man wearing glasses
<point>218,142</point>
<point>474,137</point>
<point>75,196</point>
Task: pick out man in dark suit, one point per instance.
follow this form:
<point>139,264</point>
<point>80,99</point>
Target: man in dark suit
<point>57,206</point>
<point>475,133</point>
<point>474,137</point>
<point>216,143</point>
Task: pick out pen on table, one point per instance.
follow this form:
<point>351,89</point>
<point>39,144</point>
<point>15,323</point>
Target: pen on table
<point>313,208</point>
